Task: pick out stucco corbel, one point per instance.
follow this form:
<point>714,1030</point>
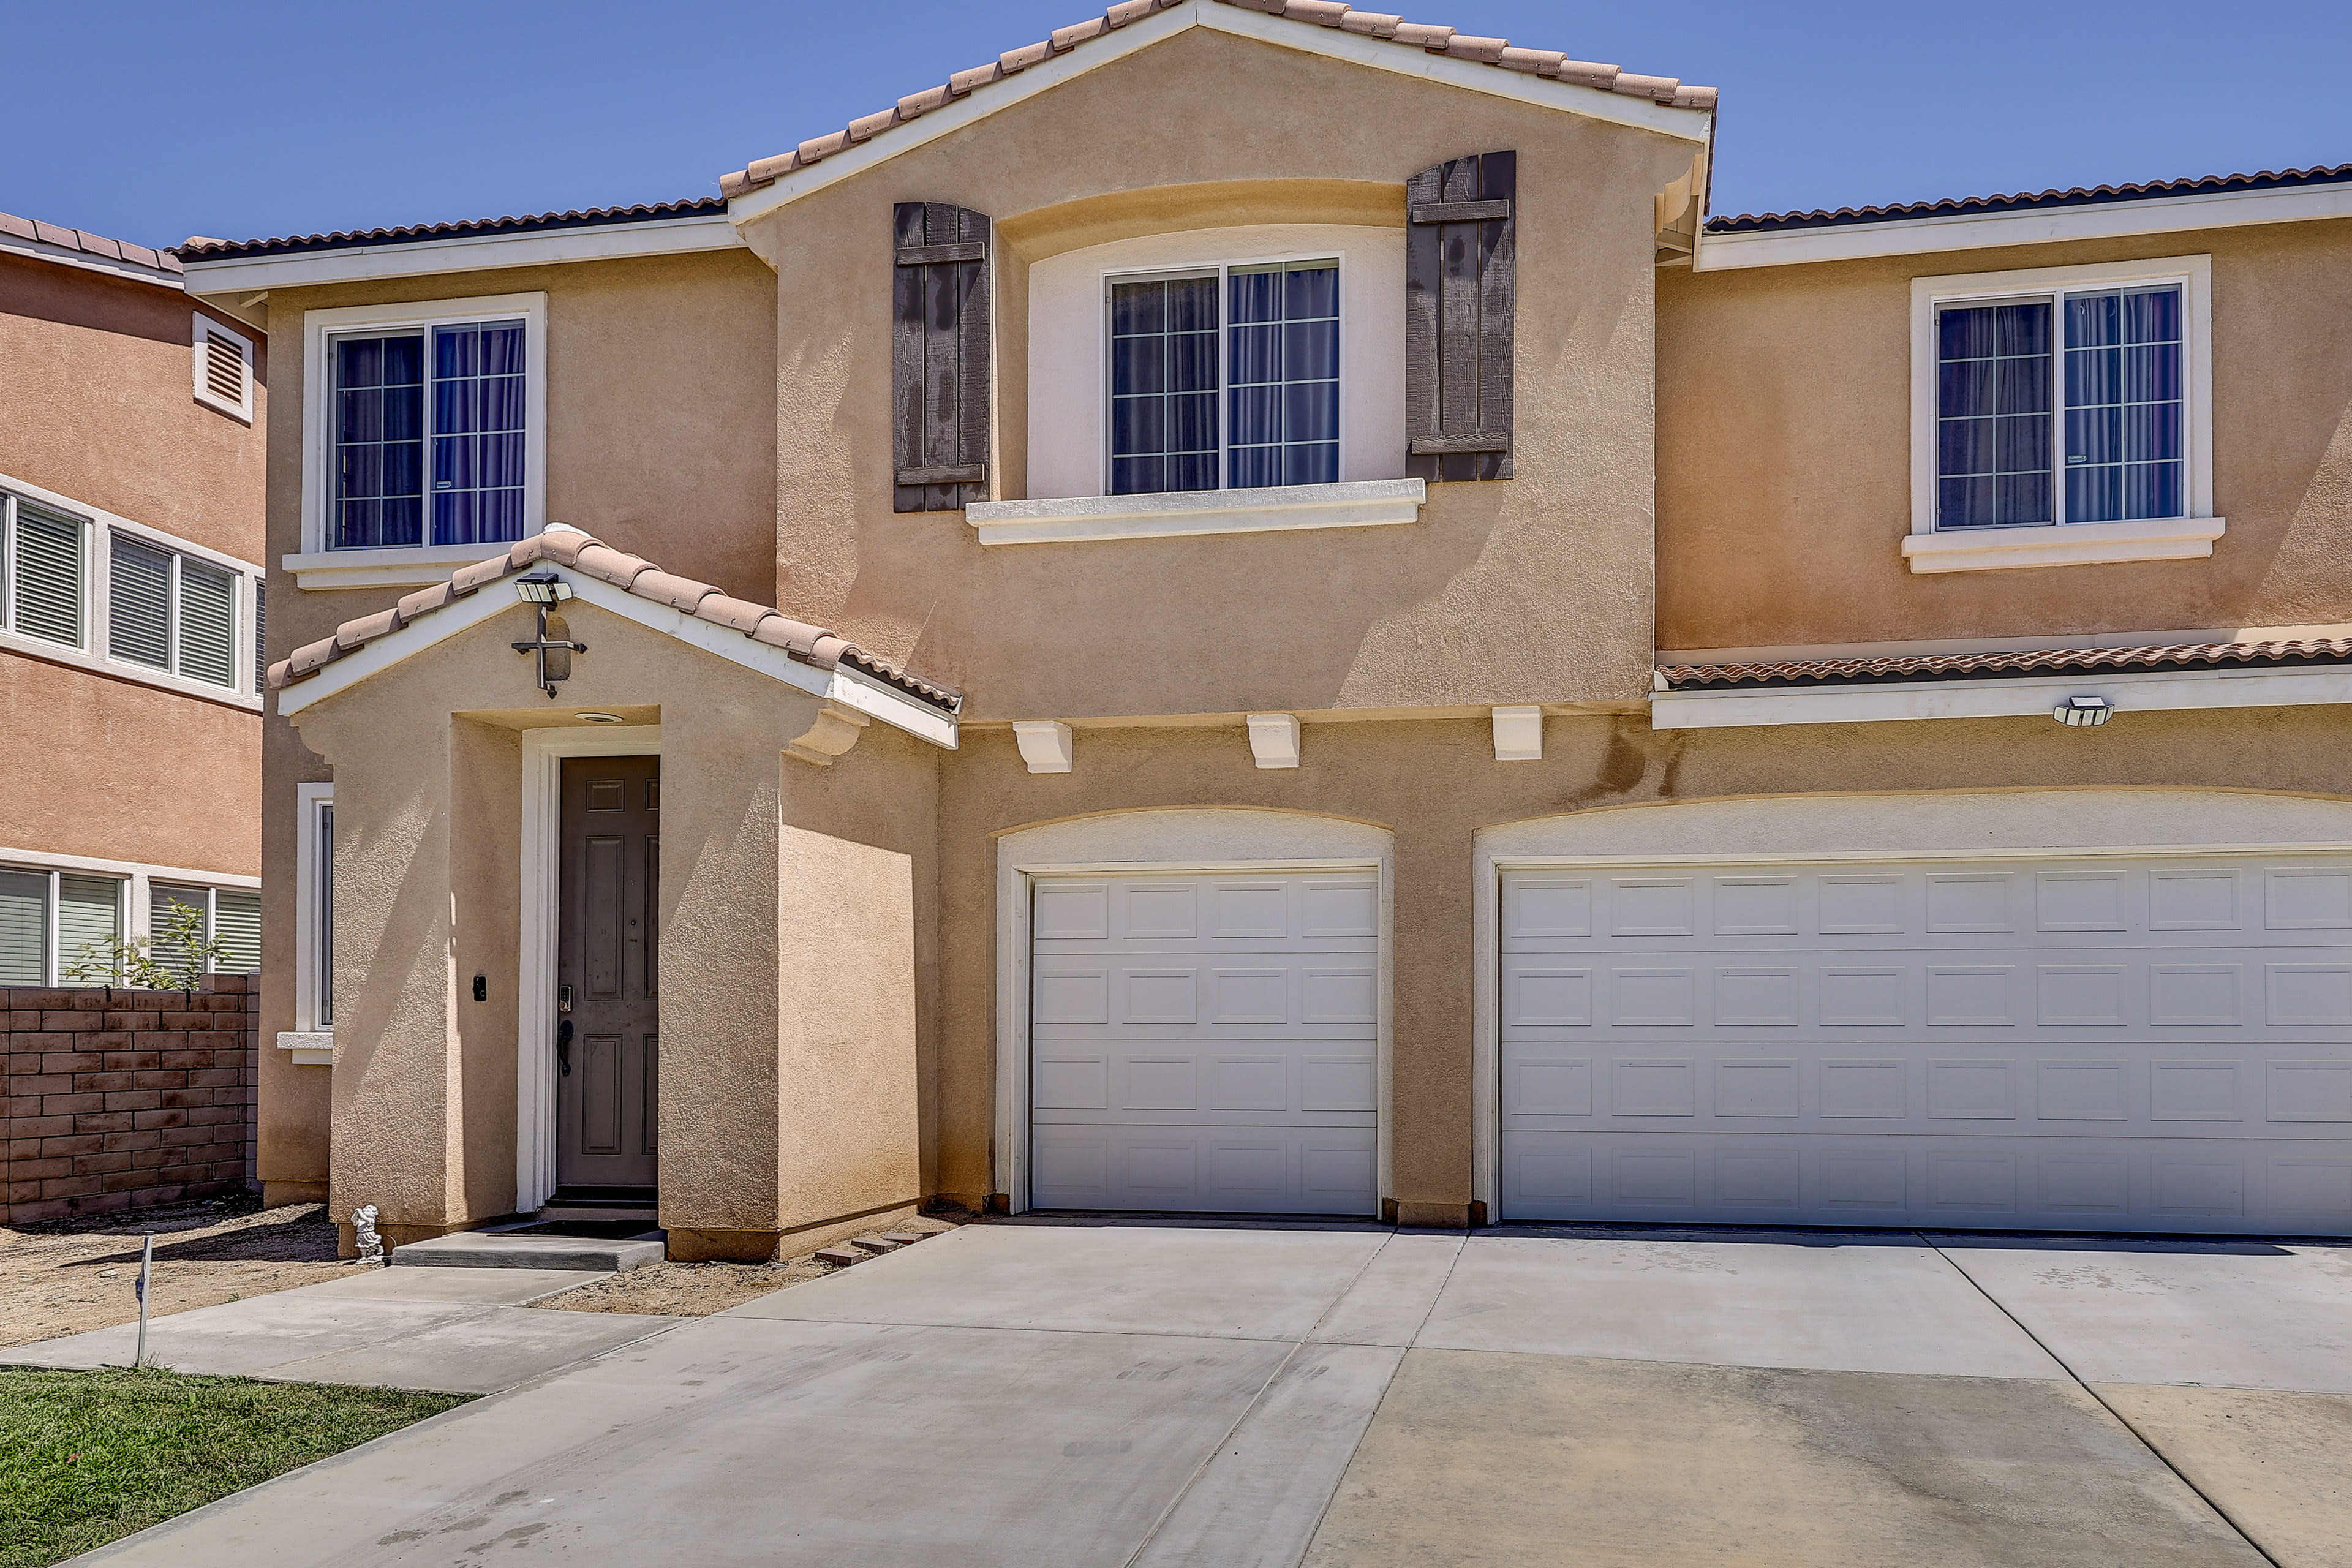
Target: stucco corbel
<point>834,731</point>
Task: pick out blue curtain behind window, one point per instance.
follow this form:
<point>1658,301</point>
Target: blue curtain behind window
<point>1282,394</point>
<point>1992,416</point>
<point>2123,405</point>
<point>379,441</point>
<point>478,433</point>
<point>1163,386</point>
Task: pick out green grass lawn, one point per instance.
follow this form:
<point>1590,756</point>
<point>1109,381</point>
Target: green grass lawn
<point>89,1457</point>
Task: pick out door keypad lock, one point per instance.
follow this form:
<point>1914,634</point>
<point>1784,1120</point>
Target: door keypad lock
<point>563,998</point>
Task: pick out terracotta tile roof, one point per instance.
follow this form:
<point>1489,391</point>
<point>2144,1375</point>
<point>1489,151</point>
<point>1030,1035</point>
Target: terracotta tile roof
<point>1429,37</point>
<point>2077,196</point>
<point>162,263</point>
<point>591,557</point>
<point>1983,666</point>
<point>537,223</point>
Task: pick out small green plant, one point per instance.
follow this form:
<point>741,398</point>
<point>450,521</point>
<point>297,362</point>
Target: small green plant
<point>167,959</point>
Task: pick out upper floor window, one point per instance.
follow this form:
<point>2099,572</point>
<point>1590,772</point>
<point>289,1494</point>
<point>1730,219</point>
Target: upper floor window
<point>2073,395</point>
<point>1226,378</point>
<point>424,424</point>
<point>171,612</point>
<point>42,569</point>
<point>429,436</point>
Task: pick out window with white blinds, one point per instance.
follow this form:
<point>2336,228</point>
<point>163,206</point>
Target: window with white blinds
<point>49,919</point>
<point>171,612</point>
<point>165,899</point>
<point>236,926</point>
<point>43,572</point>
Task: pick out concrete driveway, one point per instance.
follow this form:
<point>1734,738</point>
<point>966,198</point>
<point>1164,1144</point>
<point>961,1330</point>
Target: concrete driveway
<point>1038,1393</point>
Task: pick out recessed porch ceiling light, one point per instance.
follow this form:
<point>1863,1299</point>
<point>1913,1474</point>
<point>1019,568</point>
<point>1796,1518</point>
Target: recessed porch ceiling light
<point>598,718</point>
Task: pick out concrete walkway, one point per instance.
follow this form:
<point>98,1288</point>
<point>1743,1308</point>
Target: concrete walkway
<point>452,1331</point>
<point>1078,1395</point>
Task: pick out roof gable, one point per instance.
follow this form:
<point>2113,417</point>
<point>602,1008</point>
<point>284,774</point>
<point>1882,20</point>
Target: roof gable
<point>1376,39</point>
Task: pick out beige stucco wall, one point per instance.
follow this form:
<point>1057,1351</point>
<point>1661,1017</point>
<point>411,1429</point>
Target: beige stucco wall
<point>97,404</point>
<point>1533,588</point>
<point>793,999</point>
<point>1435,784</point>
<point>1784,454</point>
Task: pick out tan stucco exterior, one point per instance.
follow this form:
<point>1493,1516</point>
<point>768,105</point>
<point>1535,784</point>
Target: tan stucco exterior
<point>1702,460</point>
<point>97,407</point>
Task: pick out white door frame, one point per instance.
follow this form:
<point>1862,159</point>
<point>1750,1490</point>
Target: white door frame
<point>1016,878</point>
<point>2036,824</point>
<point>543,752</point>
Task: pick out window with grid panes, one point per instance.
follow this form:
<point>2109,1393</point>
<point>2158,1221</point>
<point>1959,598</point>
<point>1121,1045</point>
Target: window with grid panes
<point>2065,407</point>
<point>429,436</point>
<point>1226,379</point>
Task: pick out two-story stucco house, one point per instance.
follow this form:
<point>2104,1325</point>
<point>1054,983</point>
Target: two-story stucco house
<point>1255,614</point>
<point>132,434</point>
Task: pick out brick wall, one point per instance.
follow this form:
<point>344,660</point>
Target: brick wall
<point>117,1099</point>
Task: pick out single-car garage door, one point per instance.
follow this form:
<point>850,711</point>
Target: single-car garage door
<point>1205,1041</point>
<point>2158,1044</point>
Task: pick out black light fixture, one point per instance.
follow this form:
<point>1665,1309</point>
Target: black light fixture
<point>553,644</point>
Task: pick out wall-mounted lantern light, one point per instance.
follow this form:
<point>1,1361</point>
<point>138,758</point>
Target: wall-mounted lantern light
<point>2080,712</point>
<point>553,644</point>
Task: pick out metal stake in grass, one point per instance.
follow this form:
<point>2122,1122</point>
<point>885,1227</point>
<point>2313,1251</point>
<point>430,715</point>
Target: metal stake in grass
<point>146,1272</point>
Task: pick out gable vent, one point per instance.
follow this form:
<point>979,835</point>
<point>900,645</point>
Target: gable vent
<point>224,369</point>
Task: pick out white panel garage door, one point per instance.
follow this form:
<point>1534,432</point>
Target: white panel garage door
<point>1204,1043</point>
<point>2162,1044</point>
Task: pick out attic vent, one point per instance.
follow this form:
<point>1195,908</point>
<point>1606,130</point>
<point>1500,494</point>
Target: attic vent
<point>224,369</point>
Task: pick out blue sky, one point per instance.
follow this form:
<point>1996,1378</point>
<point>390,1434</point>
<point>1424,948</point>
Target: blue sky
<point>151,121</point>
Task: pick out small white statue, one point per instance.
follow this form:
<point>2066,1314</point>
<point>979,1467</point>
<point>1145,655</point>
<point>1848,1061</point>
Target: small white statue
<point>363,1220</point>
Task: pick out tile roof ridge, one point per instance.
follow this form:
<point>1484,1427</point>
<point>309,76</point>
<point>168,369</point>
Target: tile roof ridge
<point>1965,666</point>
<point>564,546</point>
<point>2073,195</point>
<point>1431,38</point>
<point>33,231</point>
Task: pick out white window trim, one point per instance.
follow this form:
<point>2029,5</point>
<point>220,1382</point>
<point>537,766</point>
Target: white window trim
<point>318,566</point>
<point>207,329</point>
<point>138,878</point>
<point>1223,270</point>
<point>2023,697</point>
<point>1172,514</point>
<point>96,603</point>
<point>308,908</point>
<point>1929,550</point>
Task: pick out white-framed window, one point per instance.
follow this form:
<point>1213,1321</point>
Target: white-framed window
<point>82,587</point>
<point>314,908</point>
<point>2064,396</point>
<point>1223,377</point>
<point>49,918</point>
<point>57,912</point>
<point>223,368</point>
<point>44,571</point>
<point>232,917</point>
<point>424,425</point>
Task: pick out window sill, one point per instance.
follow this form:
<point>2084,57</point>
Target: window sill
<point>308,1048</point>
<point>400,566</point>
<point>1358,503</point>
<point>2063,544</point>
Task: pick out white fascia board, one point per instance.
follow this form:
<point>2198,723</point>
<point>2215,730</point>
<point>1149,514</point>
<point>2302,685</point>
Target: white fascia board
<point>841,684</point>
<point>2033,225</point>
<point>2028,696</point>
<point>243,275</point>
<point>1381,54</point>
<point>40,250</point>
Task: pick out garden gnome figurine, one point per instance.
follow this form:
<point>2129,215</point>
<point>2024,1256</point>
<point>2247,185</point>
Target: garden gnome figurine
<point>371,1244</point>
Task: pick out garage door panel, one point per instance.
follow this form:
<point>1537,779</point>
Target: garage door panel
<point>1205,1043</point>
<point>2112,1044</point>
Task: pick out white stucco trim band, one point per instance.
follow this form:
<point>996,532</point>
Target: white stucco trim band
<point>2032,226</point>
<point>236,276</point>
<point>398,566</point>
<point>2031,696</point>
<point>1358,503</point>
<point>842,684</point>
<point>2063,544</point>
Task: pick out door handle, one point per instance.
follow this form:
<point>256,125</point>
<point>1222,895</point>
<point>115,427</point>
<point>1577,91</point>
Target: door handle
<point>563,1045</point>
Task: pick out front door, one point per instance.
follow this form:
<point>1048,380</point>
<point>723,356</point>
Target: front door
<point>608,941</point>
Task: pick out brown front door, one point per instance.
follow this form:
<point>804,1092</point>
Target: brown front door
<point>607,1049</point>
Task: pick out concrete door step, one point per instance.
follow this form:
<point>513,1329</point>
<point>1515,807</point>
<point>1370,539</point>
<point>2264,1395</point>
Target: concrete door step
<point>490,1249</point>
<point>858,1248</point>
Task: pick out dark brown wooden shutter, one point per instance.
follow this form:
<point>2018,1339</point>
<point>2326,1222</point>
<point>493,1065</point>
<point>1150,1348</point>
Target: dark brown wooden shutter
<point>938,356</point>
<point>1460,288</point>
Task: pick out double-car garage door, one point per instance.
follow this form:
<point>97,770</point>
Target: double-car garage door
<point>1205,1042</point>
<point>2154,1043</point>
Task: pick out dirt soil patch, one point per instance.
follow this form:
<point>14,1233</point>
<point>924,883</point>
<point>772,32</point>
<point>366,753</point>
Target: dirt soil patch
<point>64,1277</point>
<point>699,1290</point>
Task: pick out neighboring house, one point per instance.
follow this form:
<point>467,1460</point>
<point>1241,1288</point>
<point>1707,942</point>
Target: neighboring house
<point>130,597</point>
<point>1441,686</point>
